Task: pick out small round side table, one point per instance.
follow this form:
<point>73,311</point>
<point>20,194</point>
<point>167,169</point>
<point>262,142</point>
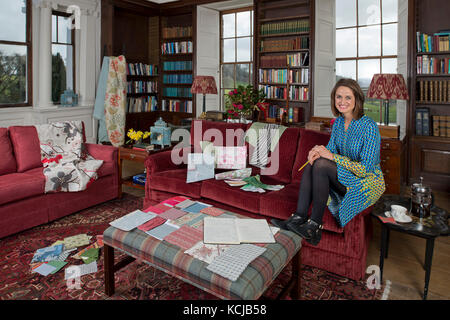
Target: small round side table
<point>432,227</point>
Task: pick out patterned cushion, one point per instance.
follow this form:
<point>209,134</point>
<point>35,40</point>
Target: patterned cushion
<point>251,284</point>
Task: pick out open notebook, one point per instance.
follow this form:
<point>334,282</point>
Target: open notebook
<point>235,231</point>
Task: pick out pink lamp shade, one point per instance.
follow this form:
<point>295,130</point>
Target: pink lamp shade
<point>388,86</point>
<point>204,84</point>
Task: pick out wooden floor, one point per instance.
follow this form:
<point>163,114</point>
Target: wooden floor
<point>404,266</point>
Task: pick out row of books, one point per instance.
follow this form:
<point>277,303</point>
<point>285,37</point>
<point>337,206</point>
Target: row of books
<point>427,125</point>
<point>177,78</point>
<point>285,27</point>
<point>142,87</point>
<point>292,114</point>
<point>284,76</point>
<point>441,126</point>
<point>142,69</point>
<point>300,59</point>
<point>438,42</point>
<point>432,65</point>
<point>176,32</point>
<point>177,65</point>
<point>274,92</point>
<point>296,43</point>
<point>299,93</point>
<point>177,92</point>
<point>434,90</point>
<point>176,47</point>
<point>176,106</point>
<point>274,111</point>
<point>143,104</point>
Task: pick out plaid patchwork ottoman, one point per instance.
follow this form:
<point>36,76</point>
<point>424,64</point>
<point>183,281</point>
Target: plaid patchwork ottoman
<point>172,260</point>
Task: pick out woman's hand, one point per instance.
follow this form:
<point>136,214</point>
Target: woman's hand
<point>312,156</point>
<point>319,152</point>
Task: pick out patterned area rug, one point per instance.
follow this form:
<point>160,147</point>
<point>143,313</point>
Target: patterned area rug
<point>137,280</point>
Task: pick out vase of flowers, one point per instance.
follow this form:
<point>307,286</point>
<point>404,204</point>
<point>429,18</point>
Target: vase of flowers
<point>137,138</point>
<point>241,102</point>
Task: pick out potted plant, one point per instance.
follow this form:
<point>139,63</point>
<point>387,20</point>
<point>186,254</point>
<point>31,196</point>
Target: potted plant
<point>244,102</point>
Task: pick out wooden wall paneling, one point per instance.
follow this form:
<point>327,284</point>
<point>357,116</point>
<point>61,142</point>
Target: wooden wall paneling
<point>428,156</point>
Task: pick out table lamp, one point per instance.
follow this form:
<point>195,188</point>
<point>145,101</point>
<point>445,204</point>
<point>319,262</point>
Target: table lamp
<point>387,86</point>
<point>204,85</point>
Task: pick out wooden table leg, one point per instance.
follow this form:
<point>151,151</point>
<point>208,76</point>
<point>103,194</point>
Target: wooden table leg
<point>428,259</point>
<point>383,245</point>
<point>108,260</point>
<point>296,292</point>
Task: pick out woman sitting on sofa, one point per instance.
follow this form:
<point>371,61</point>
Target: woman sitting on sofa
<point>347,169</point>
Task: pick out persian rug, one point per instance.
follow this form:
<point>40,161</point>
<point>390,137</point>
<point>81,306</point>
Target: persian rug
<point>137,281</point>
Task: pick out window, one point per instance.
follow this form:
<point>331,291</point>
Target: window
<point>63,53</point>
<point>15,53</point>
<point>236,40</point>
<point>366,43</point>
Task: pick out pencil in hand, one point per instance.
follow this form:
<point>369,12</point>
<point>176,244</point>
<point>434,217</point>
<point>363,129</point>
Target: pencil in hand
<point>303,165</point>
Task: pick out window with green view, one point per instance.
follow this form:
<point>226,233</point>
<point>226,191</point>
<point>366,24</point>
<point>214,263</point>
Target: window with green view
<point>366,43</point>
<point>236,63</point>
<point>15,53</point>
<point>63,53</point>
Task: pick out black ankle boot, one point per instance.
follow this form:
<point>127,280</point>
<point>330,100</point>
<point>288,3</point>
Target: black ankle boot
<point>282,224</point>
<point>311,231</point>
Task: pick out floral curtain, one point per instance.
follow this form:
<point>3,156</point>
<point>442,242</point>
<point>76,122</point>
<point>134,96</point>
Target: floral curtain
<point>115,101</point>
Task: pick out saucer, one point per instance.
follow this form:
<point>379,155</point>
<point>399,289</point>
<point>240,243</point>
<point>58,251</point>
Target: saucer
<point>404,219</point>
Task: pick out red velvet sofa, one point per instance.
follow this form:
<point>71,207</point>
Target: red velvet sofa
<point>23,203</point>
<point>342,250</point>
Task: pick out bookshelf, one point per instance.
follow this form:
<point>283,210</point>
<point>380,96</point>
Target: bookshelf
<point>284,42</point>
<point>142,87</point>
<point>429,114</point>
<point>177,48</point>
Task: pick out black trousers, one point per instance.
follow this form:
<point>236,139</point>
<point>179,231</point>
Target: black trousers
<point>315,188</point>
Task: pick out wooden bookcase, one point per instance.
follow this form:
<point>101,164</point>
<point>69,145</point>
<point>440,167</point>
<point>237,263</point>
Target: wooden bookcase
<point>134,29</point>
<point>285,28</point>
<point>177,65</point>
<point>429,156</point>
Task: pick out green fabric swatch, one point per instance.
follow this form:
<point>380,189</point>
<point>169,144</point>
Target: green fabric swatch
<point>57,264</point>
<point>90,255</point>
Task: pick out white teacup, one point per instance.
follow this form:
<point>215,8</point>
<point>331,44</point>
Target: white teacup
<point>398,212</point>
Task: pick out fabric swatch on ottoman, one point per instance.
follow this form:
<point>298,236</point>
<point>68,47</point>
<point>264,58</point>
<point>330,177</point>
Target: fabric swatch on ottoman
<point>172,214</point>
<point>184,204</point>
<point>212,211</point>
<point>162,231</point>
<point>180,198</point>
<point>158,209</point>
<point>153,223</point>
<point>196,207</point>
<point>185,237</point>
<point>189,219</point>
<point>207,252</point>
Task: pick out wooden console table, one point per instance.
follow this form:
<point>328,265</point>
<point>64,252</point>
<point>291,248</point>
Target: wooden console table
<point>136,155</point>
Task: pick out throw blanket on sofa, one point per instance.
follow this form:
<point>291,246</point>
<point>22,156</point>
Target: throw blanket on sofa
<point>263,137</point>
<point>67,165</point>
